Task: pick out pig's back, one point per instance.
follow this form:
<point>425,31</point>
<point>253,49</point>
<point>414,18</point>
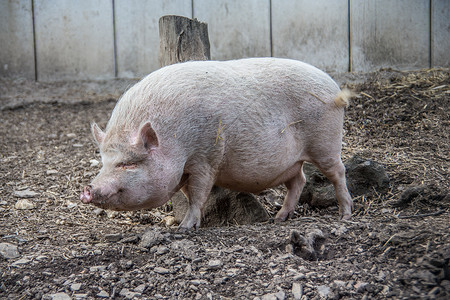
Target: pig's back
<point>266,109</point>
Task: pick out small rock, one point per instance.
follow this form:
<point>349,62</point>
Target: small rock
<point>77,145</point>
<point>323,291</point>
<point>24,204</point>
<point>94,162</point>
<point>169,220</point>
<point>25,194</point>
<point>71,135</point>
<point>3,202</point>
<point>51,172</point>
<point>140,288</point>
<point>8,251</point>
<point>151,238</point>
<point>360,286</point>
<point>103,294</point>
<point>339,231</point>
<point>381,276</point>
<point>113,237</point>
<point>97,269</point>
<point>81,296</point>
<point>111,214</point>
<point>75,287</point>
<point>214,264</point>
<point>297,290</point>
<point>161,270</point>
<point>98,211</point>
<point>198,282</point>
<point>71,205</point>
<point>409,195</point>
<point>60,296</point>
<point>128,294</point>
<point>339,283</point>
<point>274,296</point>
<point>22,261</point>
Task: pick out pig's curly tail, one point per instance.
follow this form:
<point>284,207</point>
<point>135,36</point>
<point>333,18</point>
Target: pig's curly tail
<point>342,99</point>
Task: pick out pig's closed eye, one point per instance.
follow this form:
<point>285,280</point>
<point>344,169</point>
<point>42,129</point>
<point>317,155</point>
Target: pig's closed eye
<point>126,166</point>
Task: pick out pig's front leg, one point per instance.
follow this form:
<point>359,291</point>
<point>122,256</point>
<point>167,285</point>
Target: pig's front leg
<point>196,190</point>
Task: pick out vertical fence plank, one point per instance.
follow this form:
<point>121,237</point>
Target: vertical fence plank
<point>386,33</point>
<point>312,31</point>
<point>440,33</point>
<point>137,36</point>
<point>236,28</point>
<point>16,36</point>
<point>74,39</point>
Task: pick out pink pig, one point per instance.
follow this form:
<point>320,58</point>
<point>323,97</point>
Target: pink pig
<point>246,125</point>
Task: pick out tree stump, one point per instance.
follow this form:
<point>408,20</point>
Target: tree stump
<point>183,39</point>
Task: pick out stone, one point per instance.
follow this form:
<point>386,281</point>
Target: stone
<point>323,291</point>
<point>25,194</point>
<point>113,237</point>
<point>60,296</point>
<point>215,264</point>
<point>97,269</point>
<point>361,287</point>
<point>151,238</point>
<point>103,294</point>
<point>94,162</point>
<point>51,172</point>
<point>22,261</point>
<point>224,207</point>
<point>75,287</point>
<point>23,204</point>
<point>297,290</point>
<point>8,251</point>
<point>274,296</point>
<point>161,270</point>
<point>408,195</point>
<point>140,288</point>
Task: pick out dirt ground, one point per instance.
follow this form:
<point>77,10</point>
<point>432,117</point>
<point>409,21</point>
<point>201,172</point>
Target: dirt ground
<point>396,246</point>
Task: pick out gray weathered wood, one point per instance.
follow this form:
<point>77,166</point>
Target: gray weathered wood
<point>182,39</point>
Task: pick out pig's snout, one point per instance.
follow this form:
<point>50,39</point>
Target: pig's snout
<point>86,195</point>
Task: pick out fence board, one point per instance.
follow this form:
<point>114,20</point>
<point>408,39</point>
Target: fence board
<point>236,28</point>
<point>440,33</point>
<point>137,35</point>
<point>74,39</point>
<point>312,31</point>
<point>16,36</point>
<point>386,33</point>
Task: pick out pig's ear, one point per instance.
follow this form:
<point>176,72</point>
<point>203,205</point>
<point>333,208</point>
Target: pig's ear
<point>98,134</point>
<point>148,136</point>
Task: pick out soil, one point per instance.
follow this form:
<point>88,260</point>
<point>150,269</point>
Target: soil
<point>396,246</point>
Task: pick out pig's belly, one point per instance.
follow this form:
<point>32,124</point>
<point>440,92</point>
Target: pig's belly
<point>256,179</point>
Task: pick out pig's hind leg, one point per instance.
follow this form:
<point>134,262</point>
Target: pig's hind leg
<point>335,172</point>
<point>294,186</point>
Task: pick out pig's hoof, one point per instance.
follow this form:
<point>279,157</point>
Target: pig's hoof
<point>346,217</point>
<point>282,216</point>
<point>183,229</point>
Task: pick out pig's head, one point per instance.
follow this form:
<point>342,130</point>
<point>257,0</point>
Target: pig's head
<point>136,174</point>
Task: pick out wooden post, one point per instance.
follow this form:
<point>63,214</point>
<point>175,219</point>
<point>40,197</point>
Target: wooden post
<point>182,39</point>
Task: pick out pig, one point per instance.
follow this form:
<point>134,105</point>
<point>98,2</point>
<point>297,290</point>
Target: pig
<point>246,125</point>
